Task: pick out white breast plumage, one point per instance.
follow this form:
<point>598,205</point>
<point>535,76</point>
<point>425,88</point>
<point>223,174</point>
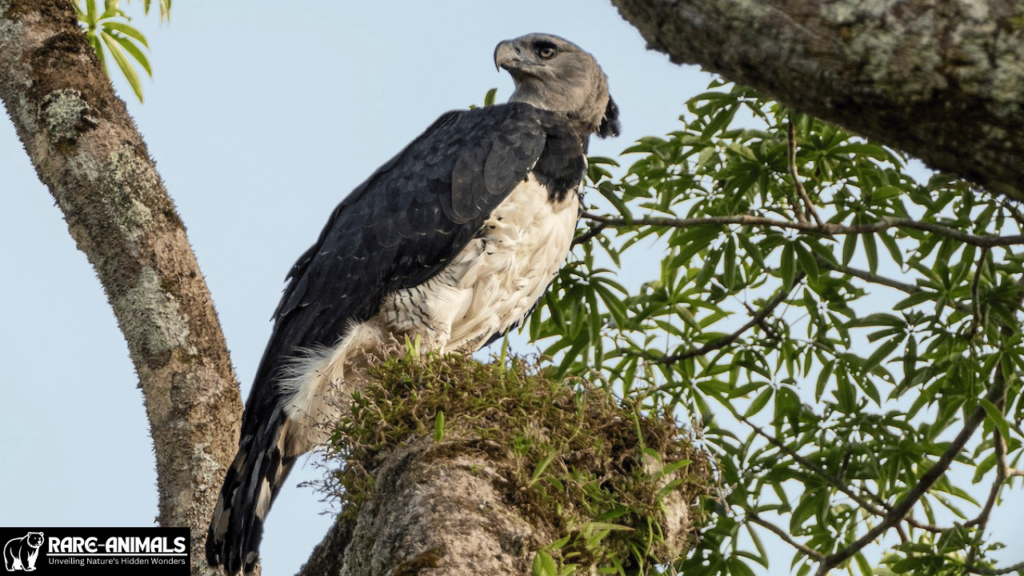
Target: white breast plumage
<point>496,279</point>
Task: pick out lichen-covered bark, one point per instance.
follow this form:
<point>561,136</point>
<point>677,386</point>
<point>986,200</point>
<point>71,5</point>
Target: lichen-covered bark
<point>86,149</point>
<point>941,80</point>
<point>434,511</point>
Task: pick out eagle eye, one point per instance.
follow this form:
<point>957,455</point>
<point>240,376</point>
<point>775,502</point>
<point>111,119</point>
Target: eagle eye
<point>546,50</point>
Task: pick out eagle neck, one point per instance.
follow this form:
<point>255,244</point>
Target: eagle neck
<point>562,163</point>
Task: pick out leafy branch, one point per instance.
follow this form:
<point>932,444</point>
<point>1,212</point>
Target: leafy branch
<point>110,31</point>
<point>849,395</point>
<point>827,229</point>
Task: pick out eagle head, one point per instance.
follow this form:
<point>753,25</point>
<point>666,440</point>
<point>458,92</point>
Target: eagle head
<point>554,74</point>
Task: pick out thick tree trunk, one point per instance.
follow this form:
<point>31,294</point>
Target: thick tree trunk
<point>86,149</point>
<point>942,80</point>
<point>434,512</point>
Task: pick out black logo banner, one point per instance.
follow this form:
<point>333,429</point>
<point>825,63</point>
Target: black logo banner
<point>82,551</point>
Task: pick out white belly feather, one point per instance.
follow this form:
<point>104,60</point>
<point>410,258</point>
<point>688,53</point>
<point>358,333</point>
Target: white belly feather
<point>496,279</point>
<point>488,287</point>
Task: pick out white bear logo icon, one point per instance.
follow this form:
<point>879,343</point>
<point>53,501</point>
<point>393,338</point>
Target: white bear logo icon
<point>21,553</point>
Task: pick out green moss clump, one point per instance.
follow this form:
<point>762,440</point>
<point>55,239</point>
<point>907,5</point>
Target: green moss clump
<point>575,462</point>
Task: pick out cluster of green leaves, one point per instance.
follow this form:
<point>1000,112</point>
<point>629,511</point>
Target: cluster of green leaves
<point>587,470</point>
<point>830,366</point>
<point>111,31</point>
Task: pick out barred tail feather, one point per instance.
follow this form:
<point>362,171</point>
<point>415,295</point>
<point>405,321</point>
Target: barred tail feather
<point>252,483</point>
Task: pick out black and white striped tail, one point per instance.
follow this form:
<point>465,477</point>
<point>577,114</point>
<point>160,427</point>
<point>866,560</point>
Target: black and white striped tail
<point>250,487</point>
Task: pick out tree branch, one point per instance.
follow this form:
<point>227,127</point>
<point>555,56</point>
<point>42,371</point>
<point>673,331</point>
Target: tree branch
<point>825,229</point>
<point>801,192</point>
<point>995,571</point>
<point>939,80</point>
<point>85,148</point>
<point>590,234</point>
<point>753,517</point>
<point>982,520</point>
<point>758,318</point>
<point>837,483</point>
<point>903,507</point>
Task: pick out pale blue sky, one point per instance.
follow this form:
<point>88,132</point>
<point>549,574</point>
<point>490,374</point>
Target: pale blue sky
<point>261,117</point>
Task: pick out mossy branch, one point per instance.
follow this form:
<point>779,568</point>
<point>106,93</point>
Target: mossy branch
<point>545,465</point>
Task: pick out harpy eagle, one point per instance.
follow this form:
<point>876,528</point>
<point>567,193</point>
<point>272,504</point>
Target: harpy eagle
<point>453,241</point>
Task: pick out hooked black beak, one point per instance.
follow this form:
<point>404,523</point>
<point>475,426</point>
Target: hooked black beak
<point>507,56</point>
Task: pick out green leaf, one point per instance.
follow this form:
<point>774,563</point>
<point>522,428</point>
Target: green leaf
<point>787,266</point>
<point>91,16</point>
<point>871,251</point>
<point>882,193</point>
<point>544,564</point>
<point>127,30</point>
<point>806,259</point>
<point>594,526</point>
<point>760,402</point>
<point>134,51</point>
<point>613,196</point>
<point>863,565</point>
<point>881,353</point>
<point>123,64</point>
<point>738,568</point>
<point>489,97</point>
<point>543,465</point>
<point>996,415</point>
<point>729,268</point>
<point>439,426</point>
<point>914,299</point>
<point>97,47</point>
<point>846,395</point>
<point>849,248</point>
<point>893,248</point>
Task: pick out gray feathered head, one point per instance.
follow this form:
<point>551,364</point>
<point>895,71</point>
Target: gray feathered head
<point>554,74</point>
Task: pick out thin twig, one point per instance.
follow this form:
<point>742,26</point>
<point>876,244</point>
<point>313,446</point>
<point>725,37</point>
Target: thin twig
<point>982,520</point>
<point>826,228</point>
<point>770,307</point>
<point>995,571</point>
<point>869,277</point>
<point>976,312</point>
<point>762,324</point>
<point>903,534</point>
<point>836,483</point>
<point>590,234</point>
<point>883,281</point>
<point>793,198</point>
<point>801,191</point>
<point>753,517</point>
<point>1014,213</point>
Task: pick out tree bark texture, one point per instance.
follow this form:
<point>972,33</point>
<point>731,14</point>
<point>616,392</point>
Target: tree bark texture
<point>942,80</point>
<point>433,512</point>
<point>86,149</point>
<point>442,509</point>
